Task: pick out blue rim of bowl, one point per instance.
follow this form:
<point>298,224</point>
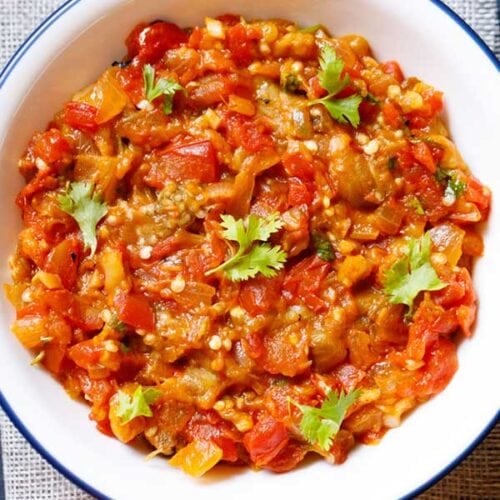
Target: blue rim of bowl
<point>5,73</point>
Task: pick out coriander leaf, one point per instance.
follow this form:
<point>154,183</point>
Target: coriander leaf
<point>414,202</point>
<point>442,175</point>
<point>250,260</point>
<point>412,274</point>
<point>137,405</point>
<point>262,259</point>
<point>163,86</point>
<point>86,207</point>
<point>331,68</point>
<point>320,425</point>
<point>456,187</point>
<point>323,247</point>
<point>344,110</point>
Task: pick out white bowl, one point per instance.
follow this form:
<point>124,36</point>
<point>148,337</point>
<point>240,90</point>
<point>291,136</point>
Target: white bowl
<point>73,47</point>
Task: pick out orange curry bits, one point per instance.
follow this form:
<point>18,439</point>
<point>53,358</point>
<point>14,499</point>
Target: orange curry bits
<point>246,242</point>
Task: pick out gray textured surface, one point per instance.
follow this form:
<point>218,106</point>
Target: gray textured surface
<point>29,477</point>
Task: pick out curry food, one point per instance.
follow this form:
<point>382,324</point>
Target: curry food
<point>245,242</point>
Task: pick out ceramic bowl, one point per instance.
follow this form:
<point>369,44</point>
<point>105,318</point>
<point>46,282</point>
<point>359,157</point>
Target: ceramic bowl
<point>68,51</point>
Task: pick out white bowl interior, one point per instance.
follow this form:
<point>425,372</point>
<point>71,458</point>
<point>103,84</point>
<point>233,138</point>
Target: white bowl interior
<point>73,52</point>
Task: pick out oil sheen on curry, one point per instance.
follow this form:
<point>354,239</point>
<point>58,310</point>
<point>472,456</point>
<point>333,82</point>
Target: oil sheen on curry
<point>246,242</point>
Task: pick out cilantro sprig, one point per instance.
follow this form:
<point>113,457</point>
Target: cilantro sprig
<point>323,247</point>
<point>320,425</point>
<point>86,207</point>
<point>137,405</point>
<point>454,186</point>
<point>345,110</point>
<point>252,257</point>
<point>412,274</point>
<point>163,86</point>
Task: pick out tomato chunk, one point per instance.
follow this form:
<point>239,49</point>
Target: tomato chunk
<point>81,116</point>
<point>304,281</point>
<point>242,43</point>
<point>63,260</point>
<point>196,160</point>
<point>136,311</point>
<point>260,294</point>
<point>51,146</point>
<point>297,165</point>
<point>265,441</point>
<point>250,134</point>
<point>393,68</point>
<point>149,42</point>
<point>423,154</point>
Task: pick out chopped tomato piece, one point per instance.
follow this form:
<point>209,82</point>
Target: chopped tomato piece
<point>39,183</point>
<point>64,260</point>
<point>441,365</point>
<point>215,88</point>
<point>242,43</point>
<point>393,68</point>
<point>478,194</point>
<point>148,42</point>
<point>288,458</point>
<point>81,116</point>
<point>299,192</point>
<point>208,426</point>
<point>392,115</point>
<point>266,440</point>
<point>259,295</point>
<point>423,154</point>
<point>131,80</point>
<point>196,160</point>
<point>136,311</point>
<point>252,135</point>
<point>54,356</point>
<point>51,146</point>
<point>297,165</point>
<point>85,354</point>
<point>304,280</point>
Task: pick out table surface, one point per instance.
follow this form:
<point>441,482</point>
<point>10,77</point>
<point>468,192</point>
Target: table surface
<point>476,477</point>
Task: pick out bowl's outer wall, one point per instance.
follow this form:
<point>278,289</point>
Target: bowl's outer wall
<point>70,54</point>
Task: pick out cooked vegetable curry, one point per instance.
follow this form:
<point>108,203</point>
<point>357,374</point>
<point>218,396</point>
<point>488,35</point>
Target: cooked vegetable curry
<point>246,242</point>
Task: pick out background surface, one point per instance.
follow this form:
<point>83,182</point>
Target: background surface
<point>24,475</point>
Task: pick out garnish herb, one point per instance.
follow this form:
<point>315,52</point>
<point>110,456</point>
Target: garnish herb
<point>137,405</point>
<point>320,425</point>
<point>454,187</point>
<point>163,86</point>
<point>86,207</point>
<point>412,274</point>
<point>345,110</point>
<point>251,258</point>
<point>323,247</point>
<point>414,202</point>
